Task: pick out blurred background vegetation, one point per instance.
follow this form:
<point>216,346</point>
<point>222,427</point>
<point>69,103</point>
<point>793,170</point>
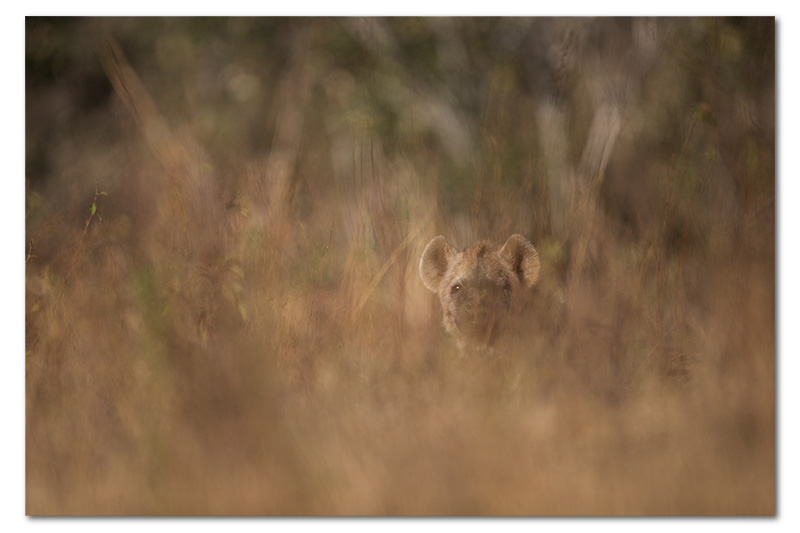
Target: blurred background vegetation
<point>224,218</point>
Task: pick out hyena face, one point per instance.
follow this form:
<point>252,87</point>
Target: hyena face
<point>481,287</point>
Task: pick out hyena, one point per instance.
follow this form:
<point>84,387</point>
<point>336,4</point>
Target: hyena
<point>481,288</point>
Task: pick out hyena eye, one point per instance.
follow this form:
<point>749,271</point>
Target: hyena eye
<point>456,287</point>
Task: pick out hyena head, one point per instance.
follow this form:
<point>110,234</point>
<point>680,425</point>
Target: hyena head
<point>481,287</point>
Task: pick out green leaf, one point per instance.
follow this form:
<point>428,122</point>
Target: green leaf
<point>93,208</point>
<point>103,193</point>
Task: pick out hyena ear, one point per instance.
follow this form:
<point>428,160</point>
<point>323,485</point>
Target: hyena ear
<point>435,259</point>
<point>523,258</point>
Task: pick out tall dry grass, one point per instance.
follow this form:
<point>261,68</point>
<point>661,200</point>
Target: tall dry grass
<point>238,326</point>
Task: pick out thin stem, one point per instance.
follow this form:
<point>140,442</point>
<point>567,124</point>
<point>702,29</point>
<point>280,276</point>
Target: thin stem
<point>92,213</point>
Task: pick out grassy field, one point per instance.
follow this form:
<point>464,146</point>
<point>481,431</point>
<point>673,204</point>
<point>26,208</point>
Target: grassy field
<point>224,220</point>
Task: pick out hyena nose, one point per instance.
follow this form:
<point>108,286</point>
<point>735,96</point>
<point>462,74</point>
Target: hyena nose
<point>478,311</point>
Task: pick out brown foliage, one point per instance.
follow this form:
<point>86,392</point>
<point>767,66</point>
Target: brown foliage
<point>245,331</point>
